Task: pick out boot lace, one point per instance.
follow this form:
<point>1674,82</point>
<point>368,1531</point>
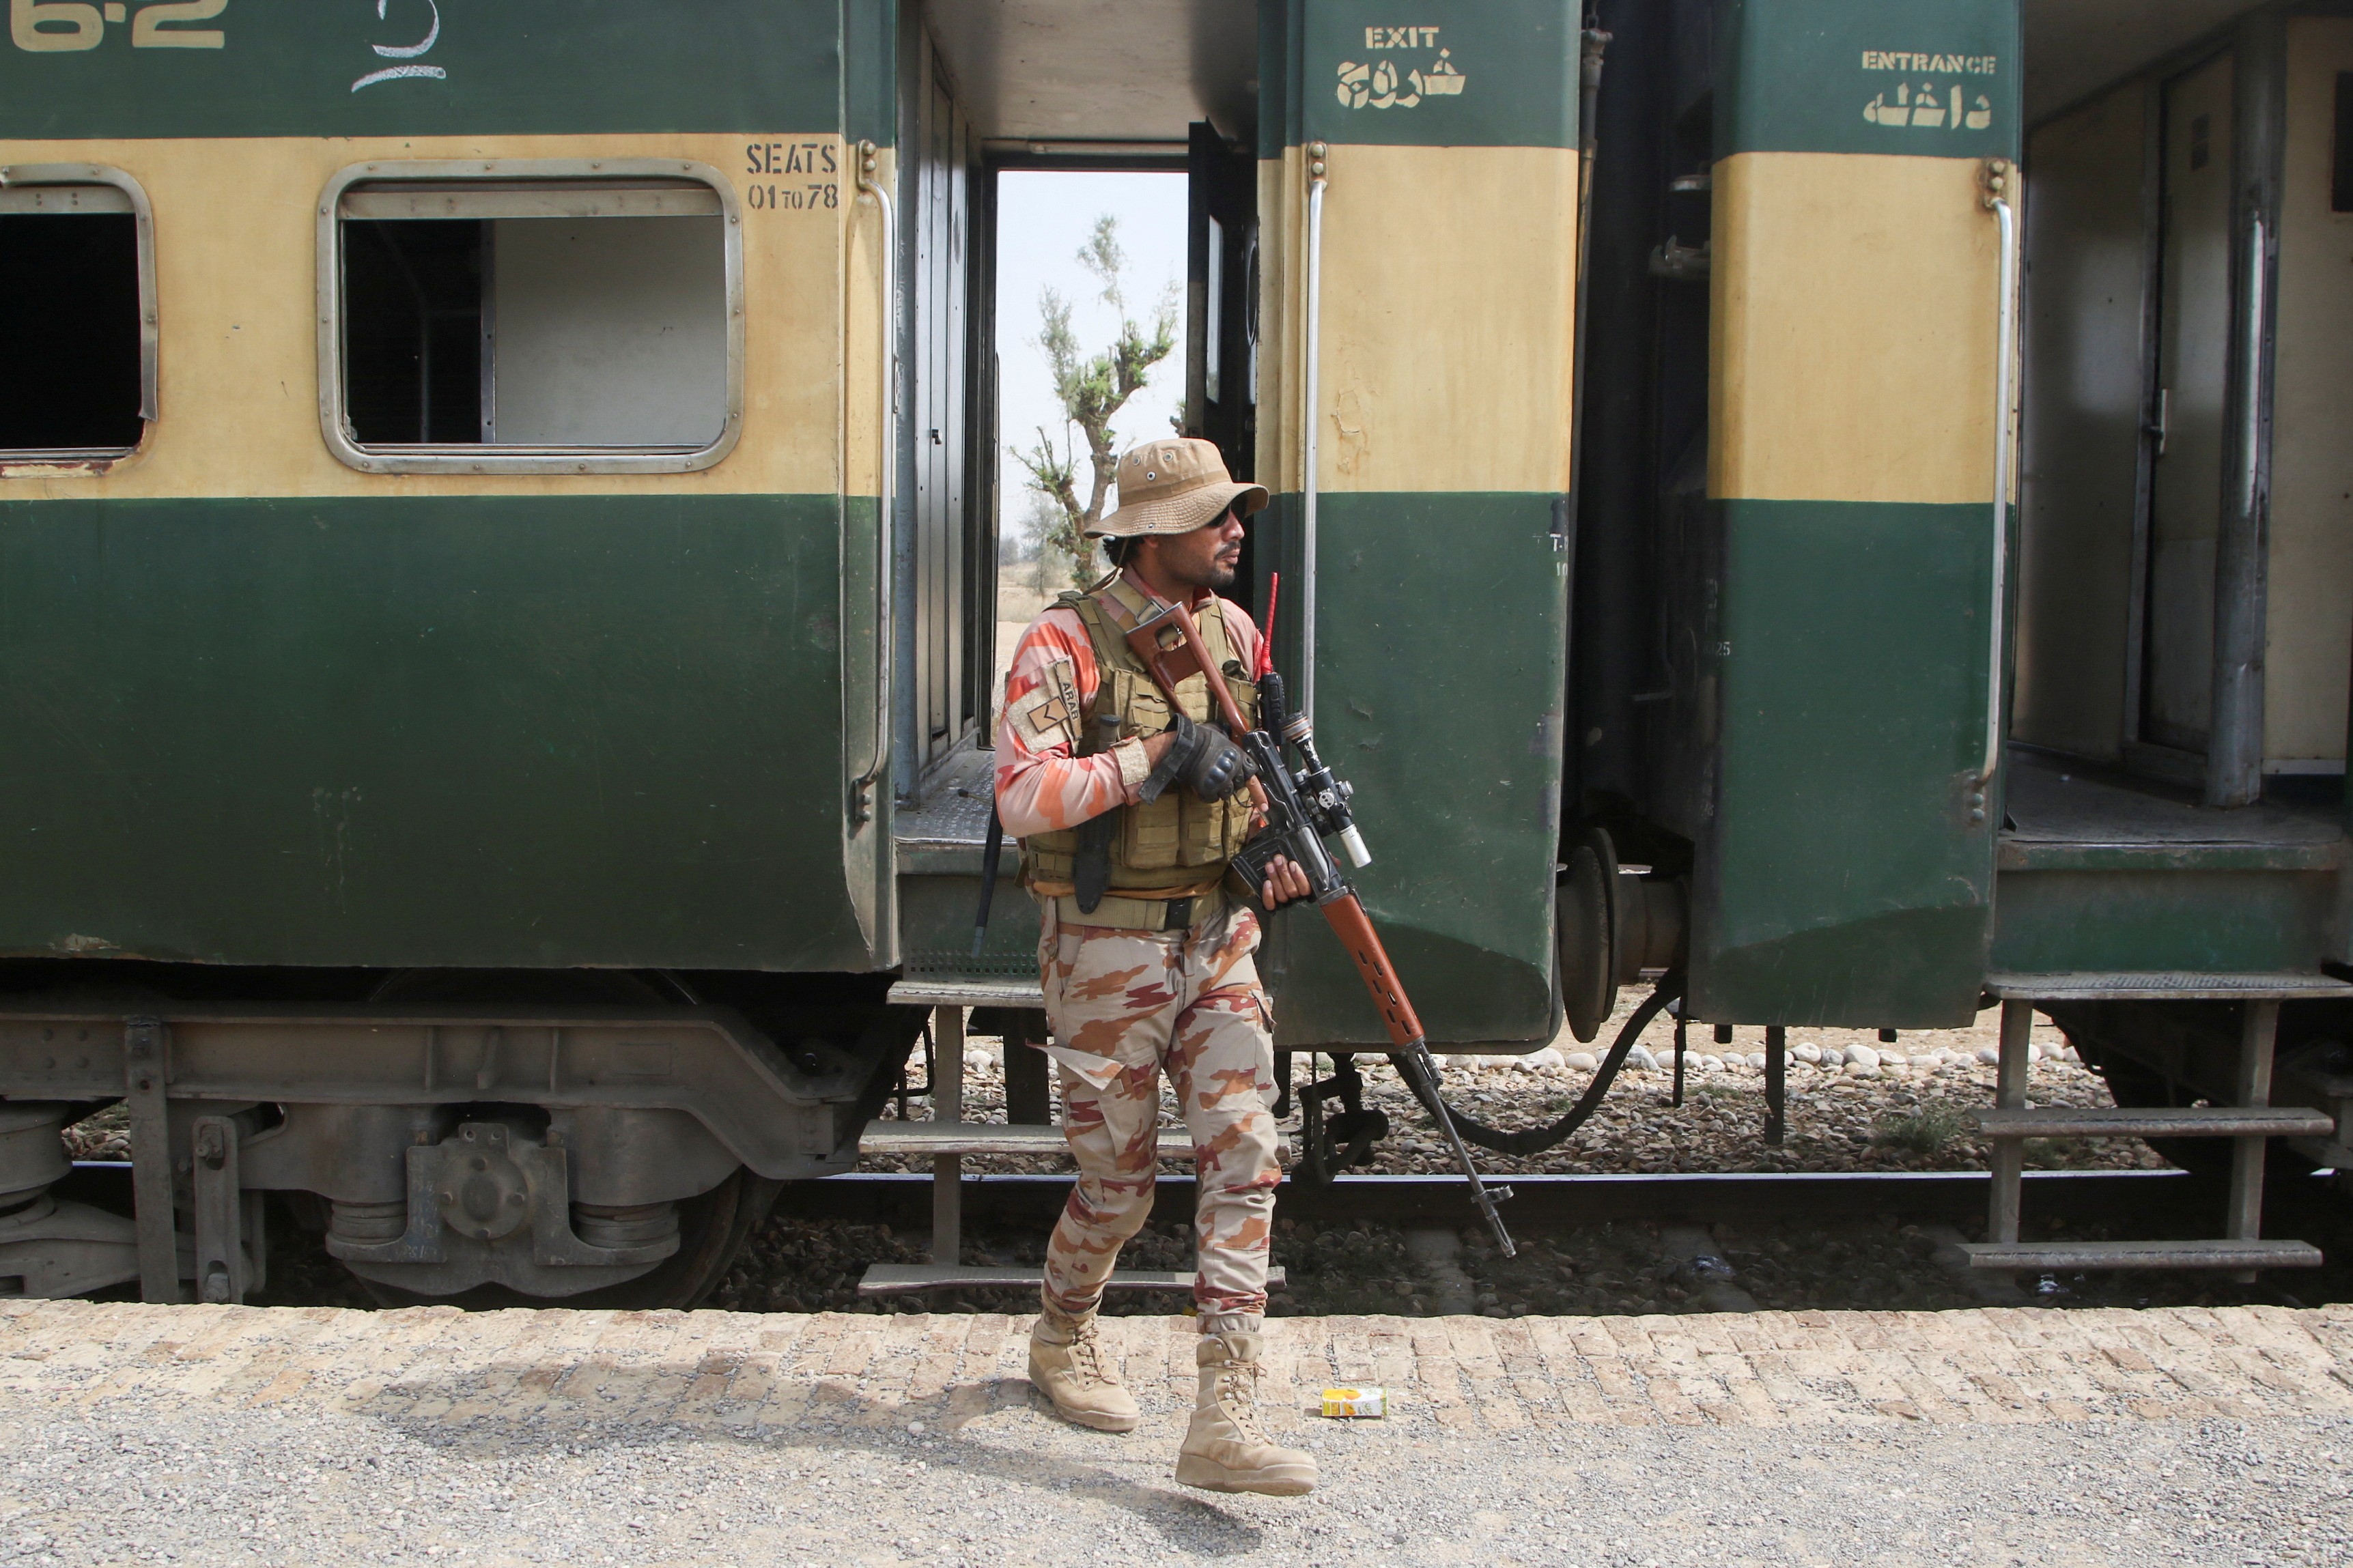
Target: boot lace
<point>1238,1392</point>
<point>1087,1357</point>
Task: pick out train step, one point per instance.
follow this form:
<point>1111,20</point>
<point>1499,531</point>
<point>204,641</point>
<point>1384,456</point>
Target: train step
<point>966,991</point>
<point>900,1278</point>
<point>2252,1122</point>
<point>2165,985</point>
<point>2126,1121</point>
<point>985,1138</point>
<point>2049,1256</point>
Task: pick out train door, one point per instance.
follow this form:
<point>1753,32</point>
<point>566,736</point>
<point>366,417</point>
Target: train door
<point>937,585</point>
<point>1221,314</point>
<point>1221,298</point>
<point>2308,592</point>
<point>2193,348</point>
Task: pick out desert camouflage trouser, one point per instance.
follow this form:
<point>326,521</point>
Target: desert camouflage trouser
<point>1125,1006</point>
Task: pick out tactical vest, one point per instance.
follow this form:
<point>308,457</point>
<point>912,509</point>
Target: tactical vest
<point>1179,844</point>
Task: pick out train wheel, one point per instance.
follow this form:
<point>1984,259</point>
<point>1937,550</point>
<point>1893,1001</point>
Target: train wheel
<point>1581,935</point>
<point>712,1229</point>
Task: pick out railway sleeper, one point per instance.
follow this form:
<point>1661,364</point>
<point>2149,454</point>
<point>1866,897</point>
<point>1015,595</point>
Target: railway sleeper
<point>615,1153</point>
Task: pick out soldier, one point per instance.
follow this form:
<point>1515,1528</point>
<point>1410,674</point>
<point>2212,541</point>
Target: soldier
<point>1128,808</point>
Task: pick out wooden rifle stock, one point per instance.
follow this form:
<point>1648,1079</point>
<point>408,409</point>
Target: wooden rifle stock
<point>1354,928</point>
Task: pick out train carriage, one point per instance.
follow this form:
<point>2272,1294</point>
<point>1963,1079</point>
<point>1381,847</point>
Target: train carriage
<point>496,540</point>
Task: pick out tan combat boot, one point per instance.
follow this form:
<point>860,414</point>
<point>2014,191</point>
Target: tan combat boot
<point>1226,1449</point>
<point>1070,1364</point>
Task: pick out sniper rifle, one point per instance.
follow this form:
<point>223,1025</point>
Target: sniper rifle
<point>1302,807</point>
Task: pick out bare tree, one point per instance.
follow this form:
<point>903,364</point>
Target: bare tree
<point>1092,389</point>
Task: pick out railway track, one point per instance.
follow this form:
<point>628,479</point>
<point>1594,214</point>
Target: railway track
<point>1553,1201</point>
<point>1410,1245</point>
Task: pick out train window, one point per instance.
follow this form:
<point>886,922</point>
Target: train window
<point>77,313</point>
<point>531,318</point>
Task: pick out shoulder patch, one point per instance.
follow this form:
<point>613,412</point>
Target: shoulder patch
<point>1048,713</point>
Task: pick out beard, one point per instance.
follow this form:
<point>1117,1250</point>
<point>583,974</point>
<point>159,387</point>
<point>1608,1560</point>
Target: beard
<point>1204,570</point>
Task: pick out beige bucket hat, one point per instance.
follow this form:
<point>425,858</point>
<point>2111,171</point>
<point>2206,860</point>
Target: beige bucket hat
<point>1174,486</point>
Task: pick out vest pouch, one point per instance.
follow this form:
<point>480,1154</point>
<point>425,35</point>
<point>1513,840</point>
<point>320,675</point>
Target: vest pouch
<point>1151,836</point>
<point>1144,710</point>
<point>1147,834</point>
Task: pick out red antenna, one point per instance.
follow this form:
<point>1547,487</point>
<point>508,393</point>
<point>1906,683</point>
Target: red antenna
<point>1266,632</point>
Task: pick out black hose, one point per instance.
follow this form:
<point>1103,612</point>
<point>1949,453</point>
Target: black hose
<point>1537,1139</point>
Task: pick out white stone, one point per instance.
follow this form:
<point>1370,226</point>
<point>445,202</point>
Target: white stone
<point>1862,1056</point>
<point>1545,1060</point>
<point>1641,1059</point>
<point>1860,1070</point>
<point>2034,1052</point>
<point>1756,1058</point>
<point>1806,1051</point>
<point>2070,1054</point>
<point>1710,1064</point>
<point>1582,1061</point>
<point>1988,1057</point>
<point>1833,1057</point>
<point>979,1055</point>
<point>1893,1060</point>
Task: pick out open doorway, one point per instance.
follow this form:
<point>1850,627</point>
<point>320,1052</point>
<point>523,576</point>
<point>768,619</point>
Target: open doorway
<point>1092,350</point>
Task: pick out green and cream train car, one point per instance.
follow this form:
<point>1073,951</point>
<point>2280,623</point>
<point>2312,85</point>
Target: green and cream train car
<point>497,563</point>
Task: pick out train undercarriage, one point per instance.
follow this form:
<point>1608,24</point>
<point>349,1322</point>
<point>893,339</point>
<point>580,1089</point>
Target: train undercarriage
<point>611,1152</point>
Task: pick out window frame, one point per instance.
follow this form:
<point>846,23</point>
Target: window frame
<point>47,461</point>
<point>449,458</point>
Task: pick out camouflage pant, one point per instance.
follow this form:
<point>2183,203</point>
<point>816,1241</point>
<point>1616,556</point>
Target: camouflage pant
<point>1126,1005</point>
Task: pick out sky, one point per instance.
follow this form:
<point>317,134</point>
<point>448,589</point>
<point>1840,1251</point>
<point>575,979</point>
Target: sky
<point>1043,218</point>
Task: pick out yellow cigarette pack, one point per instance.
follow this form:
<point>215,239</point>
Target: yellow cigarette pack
<point>1342,1403</point>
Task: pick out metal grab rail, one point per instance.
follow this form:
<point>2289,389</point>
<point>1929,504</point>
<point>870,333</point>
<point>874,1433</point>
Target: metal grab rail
<point>1316,183</point>
<point>1997,199</point>
<point>887,465</point>
<point>2252,413</point>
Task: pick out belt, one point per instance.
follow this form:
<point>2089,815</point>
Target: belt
<point>1122,912</point>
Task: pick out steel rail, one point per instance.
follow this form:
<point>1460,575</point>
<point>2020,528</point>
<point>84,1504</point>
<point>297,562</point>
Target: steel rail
<point>1565,1199</point>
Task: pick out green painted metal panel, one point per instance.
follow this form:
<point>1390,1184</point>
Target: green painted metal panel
<point>2199,921</point>
<point>869,78</point>
<point>935,914</point>
<point>1459,73</point>
<point>1843,881</point>
<point>1442,629</point>
<point>303,68</point>
<point>451,731</point>
<point>1868,76</point>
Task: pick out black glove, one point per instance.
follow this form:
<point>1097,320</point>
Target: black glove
<point>1202,759</point>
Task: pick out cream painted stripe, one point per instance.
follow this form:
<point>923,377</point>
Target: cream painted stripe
<point>1449,298</point>
<point>236,239</point>
<point>1852,329</point>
